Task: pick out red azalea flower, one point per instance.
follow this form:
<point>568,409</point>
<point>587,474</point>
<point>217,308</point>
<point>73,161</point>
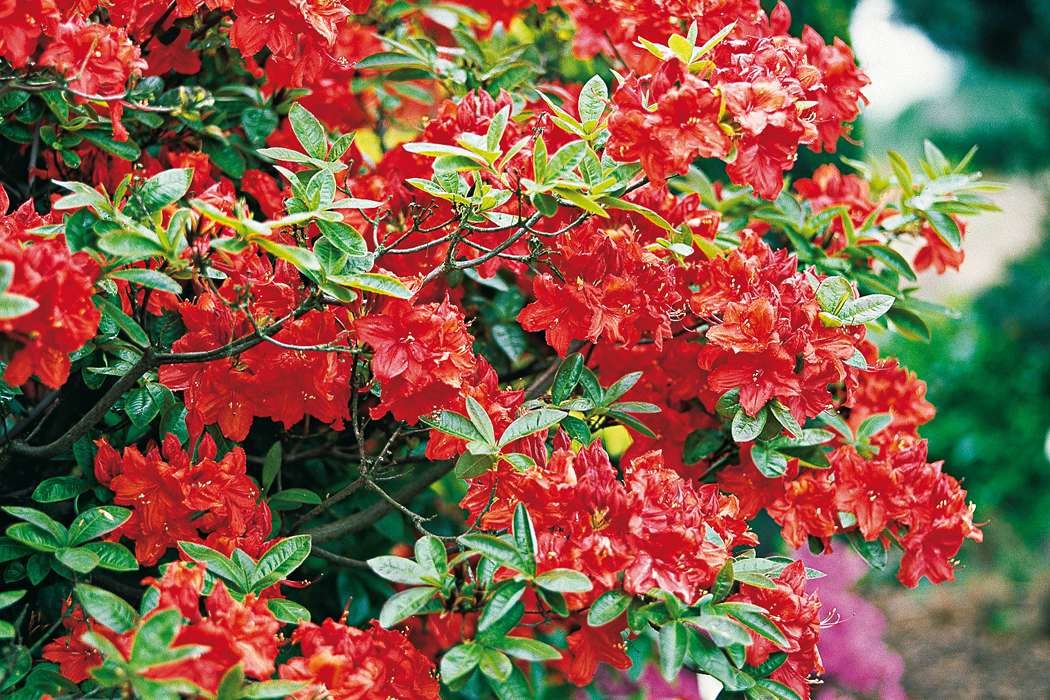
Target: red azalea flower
<point>422,356</point>
<point>173,498</point>
<point>61,283</point>
<point>797,614</point>
<point>96,58</point>
<point>344,662</point>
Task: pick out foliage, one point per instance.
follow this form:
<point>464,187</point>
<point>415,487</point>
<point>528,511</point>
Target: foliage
<point>313,305</point>
<point>1002,335</point>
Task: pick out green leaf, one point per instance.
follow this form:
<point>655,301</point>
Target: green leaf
<point>290,499</point>
<point>620,387</point>
<point>564,581</point>
<point>9,598</point>
<point>109,609</point>
<point>154,637</point>
<point>272,689</point>
<point>528,649</point>
<point>776,690</point>
<point>502,603</point>
<point>432,556</point>
<point>565,160</point>
<point>700,444</point>
<point>577,429</point>
<point>496,128</point>
<point>892,259</point>
<point>761,625</point>
<point>288,610</point>
<point>217,563</point>
<point>495,664</point>
<point>594,96</point>
<point>784,417</point>
<point>113,556</point>
<point>480,419</point>
<point>148,278</point>
<point>525,534</point>
<point>127,150</point>
<point>280,561</point>
<point>374,282</point>
<point>530,423</point>
<point>495,549</point>
<point>132,245</point>
<point>96,522</point>
<point>874,424</point>
<point>856,312</point>
<point>15,305</point>
<point>672,644</point>
<point>567,377</point>
<point>581,201</point>
<point>459,661</point>
<point>78,559</point>
<point>41,520</point>
<point>747,428</point>
<point>909,324</point>
<point>723,582</point>
<point>130,327</point>
<point>308,130</point>
<point>454,424</point>
<point>301,258</point>
<point>833,292</point>
<point>398,570</point>
<point>343,236</point>
<point>164,188</point>
<point>470,466</point>
<point>723,631</point>
<point>230,684</point>
<point>271,465</point>
<point>34,537</point>
<point>258,123</point>
<point>607,607</point>
<point>59,488</point>
<point>873,552</point>
<point>405,604</point>
<point>768,461</point>
<point>945,227</point>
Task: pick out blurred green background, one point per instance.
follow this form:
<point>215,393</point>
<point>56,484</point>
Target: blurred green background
<point>963,73</point>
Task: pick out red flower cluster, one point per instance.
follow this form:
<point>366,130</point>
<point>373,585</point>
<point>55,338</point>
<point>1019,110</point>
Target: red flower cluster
<point>266,380</point>
<point>886,387</point>
<point>231,633</point>
<point>925,508</point>
<point>611,288</point>
<point>828,188</point>
<point>686,123</point>
<point>767,94</point>
<point>797,614</point>
<point>422,357</point>
<point>22,22</point>
<point>650,526</point>
<point>74,657</point>
<point>95,58</point>
<point>766,337</point>
<point>234,632</point>
<point>61,283</point>
<point>936,253</point>
<point>172,498</point>
<point>650,529</point>
<point>299,35</point>
<point>344,662</point>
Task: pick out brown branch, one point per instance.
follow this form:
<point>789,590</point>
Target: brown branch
<point>362,519</point>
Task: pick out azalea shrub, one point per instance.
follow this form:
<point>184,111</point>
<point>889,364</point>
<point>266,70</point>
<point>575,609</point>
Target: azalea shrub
<point>402,349</point>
